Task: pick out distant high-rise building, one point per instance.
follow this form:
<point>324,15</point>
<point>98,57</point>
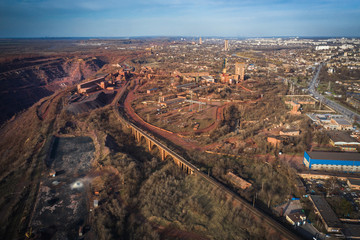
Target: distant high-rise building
<point>200,41</point>
<point>226,47</point>
<point>240,70</point>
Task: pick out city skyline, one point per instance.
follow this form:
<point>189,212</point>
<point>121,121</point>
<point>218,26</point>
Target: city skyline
<point>53,18</point>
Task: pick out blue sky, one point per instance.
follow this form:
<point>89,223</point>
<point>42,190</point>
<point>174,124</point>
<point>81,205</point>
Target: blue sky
<point>227,18</point>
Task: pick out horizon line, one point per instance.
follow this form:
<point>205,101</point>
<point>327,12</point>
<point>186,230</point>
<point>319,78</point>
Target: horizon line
<point>173,36</point>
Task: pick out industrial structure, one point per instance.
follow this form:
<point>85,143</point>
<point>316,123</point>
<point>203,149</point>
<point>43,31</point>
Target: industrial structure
<point>344,141</point>
<point>332,161</point>
<point>106,82</point>
<point>240,70</point>
<point>236,78</point>
<point>331,121</point>
<point>327,215</point>
<point>224,65</point>
<point>92,85</point>
<point>226,46</point>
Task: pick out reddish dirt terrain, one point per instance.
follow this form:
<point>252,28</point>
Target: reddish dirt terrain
<point>176,138</point>
<point>166,134</point>
<point>218,116</point>
<point>25,81</point>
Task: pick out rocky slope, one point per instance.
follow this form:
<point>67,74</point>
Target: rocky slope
<point>25,81</point>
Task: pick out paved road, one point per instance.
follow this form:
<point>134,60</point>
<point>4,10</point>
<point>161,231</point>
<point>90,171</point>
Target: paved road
<point>337,107</point>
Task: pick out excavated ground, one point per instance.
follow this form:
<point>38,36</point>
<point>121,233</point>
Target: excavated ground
<point>62,200</point>
<point>26,81</point>
<point>93,101</point>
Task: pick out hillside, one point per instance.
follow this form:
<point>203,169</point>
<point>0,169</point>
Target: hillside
<point>25,81</point>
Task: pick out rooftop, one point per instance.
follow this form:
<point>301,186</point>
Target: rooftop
<point>186,85</point>
<point>352,230</point>
<point>325,210</point>
<point>238,180</point>
<point>153,89</point>
<point>337,136</point>
<point>341,121</point>
<point>345,156</point>
<point>354,181</point>
<point>297,216</point>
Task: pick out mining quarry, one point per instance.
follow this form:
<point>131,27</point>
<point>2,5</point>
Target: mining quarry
<point>26,81</point>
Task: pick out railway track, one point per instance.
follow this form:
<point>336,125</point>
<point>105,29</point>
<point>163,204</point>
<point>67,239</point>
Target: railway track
<point>272,223</point>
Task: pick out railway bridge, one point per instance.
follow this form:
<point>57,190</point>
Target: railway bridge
<point>165,152</point>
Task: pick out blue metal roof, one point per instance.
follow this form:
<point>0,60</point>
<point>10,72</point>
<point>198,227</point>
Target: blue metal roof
<point>332,158</point>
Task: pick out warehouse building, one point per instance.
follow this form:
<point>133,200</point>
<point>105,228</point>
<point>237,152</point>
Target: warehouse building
<point>332,161</point>
<point>343,140</point>
<point>327,215</point>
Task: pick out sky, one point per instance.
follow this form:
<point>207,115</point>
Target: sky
<point>223,18</point>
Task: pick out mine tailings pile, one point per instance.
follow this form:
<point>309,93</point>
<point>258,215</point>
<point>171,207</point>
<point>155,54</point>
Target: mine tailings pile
<point>26,81</point>
<point>88,103</point>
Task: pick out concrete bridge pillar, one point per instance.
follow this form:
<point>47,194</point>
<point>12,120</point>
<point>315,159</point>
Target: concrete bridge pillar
<point>177,162</point>
<point>136,135</point>
<point>163,154</point>
<point>150,144</point>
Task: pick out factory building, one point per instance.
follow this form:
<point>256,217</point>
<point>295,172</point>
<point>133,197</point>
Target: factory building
<point>240,70</point>
<point>341,124</point>
<point>91,86</point>
<point>343,140</point>
<point>332,161</point>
